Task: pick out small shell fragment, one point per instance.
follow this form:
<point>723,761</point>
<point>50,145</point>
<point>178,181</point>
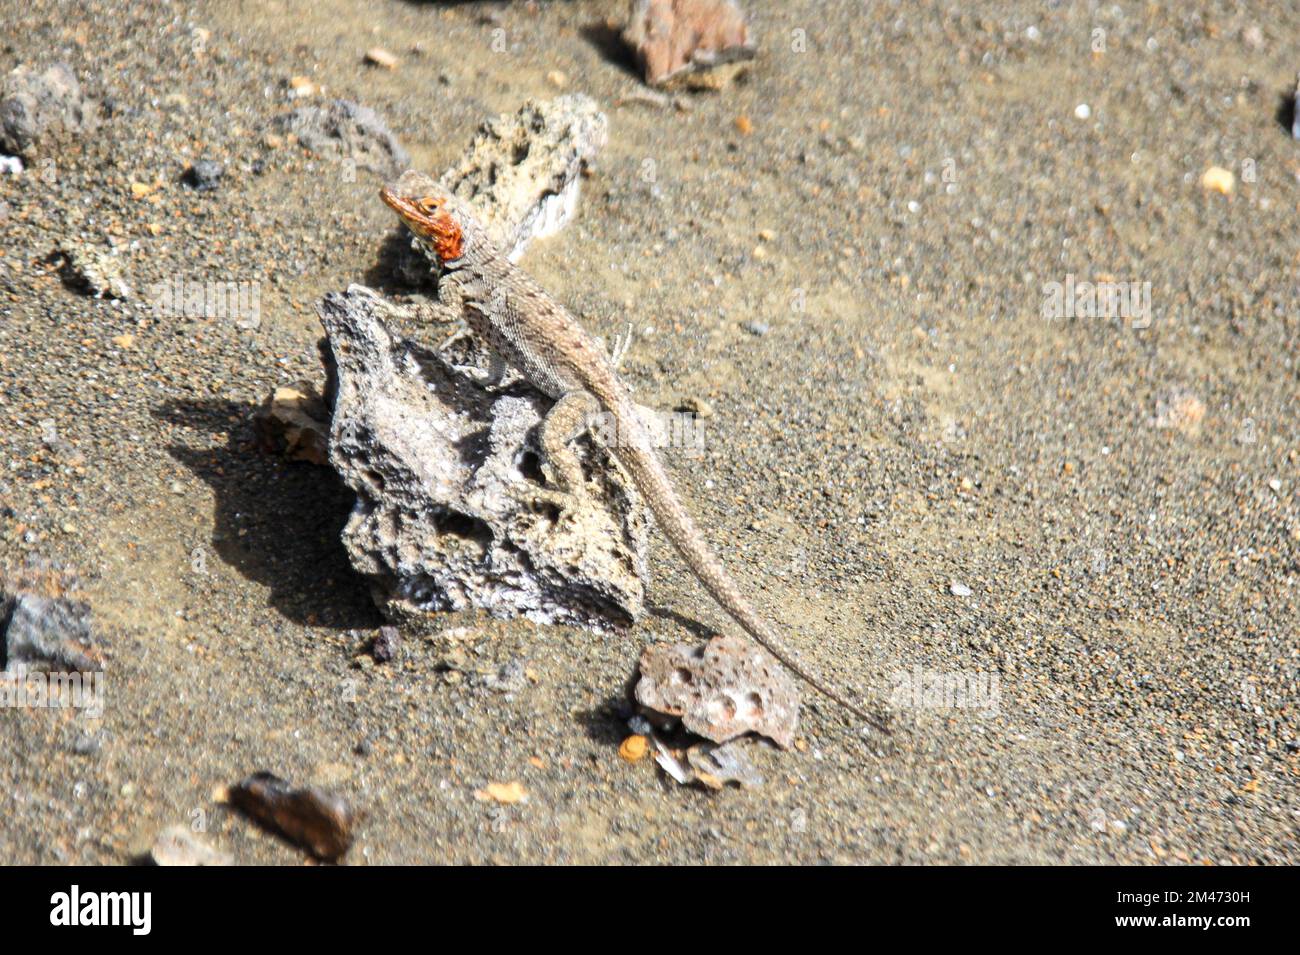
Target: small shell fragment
<point>507,793</point>
<point>1220,180</point>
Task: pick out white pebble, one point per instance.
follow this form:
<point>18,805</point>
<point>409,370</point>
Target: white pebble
<point>958,589</point>
<point>1082,111</point>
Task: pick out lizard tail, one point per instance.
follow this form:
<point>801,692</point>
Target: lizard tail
<point>637,454</point>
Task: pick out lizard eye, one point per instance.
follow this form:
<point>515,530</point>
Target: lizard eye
<point>429,203</point>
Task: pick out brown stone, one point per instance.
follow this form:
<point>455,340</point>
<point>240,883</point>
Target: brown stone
<point>675,37</point>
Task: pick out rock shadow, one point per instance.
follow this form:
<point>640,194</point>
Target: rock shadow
<point>277,522</point>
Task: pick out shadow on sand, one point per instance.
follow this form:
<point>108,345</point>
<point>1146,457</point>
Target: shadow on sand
<point>276,522</point>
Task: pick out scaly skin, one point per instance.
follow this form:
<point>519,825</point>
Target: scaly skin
<point>529,330</point>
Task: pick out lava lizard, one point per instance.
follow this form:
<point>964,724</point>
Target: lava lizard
<point>525,328</point>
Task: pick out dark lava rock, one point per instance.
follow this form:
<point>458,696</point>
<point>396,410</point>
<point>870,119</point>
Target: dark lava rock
<point>205,175</point>
<point>46,633</point>
<point>319,821</point>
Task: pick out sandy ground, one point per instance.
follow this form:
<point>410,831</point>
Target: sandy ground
<point>1120,501</point>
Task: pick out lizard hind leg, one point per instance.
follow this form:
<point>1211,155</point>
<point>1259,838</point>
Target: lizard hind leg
<point>572,415</point>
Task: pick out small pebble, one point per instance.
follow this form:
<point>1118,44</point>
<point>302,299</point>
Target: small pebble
<point>378,56</point>
<point>958,589</point>
<point>696,406</point>
<point>386,645</point>
<point>634,748</point>
<point>506,793</point>
<point>302,86</point>
<point>178,846</point>
<point>204,175</point>
<point>1220,180</point>
<point>757,328</point>
<point>1082,111</point>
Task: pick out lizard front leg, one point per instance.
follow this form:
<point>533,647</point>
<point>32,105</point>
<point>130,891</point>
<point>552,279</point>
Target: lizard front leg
<point>420,312</point>
<point>454,298</point>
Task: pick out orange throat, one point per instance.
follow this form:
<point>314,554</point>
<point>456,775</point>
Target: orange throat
<point>448,240</point>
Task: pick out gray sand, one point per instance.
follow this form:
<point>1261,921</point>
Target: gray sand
<point>1121,502</point>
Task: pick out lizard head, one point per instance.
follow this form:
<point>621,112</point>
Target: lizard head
<point>432,214</point>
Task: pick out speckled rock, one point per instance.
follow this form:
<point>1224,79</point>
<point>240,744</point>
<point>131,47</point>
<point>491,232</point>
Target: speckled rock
<point>36,104</point>
<point>452,509</point>
<point>522,170</point>
<point>94,269</point>
<point>47,633</point>
<point>721,689</point>
<point>205,175</point>
<point>717,764</point>
<point>347,131</point>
